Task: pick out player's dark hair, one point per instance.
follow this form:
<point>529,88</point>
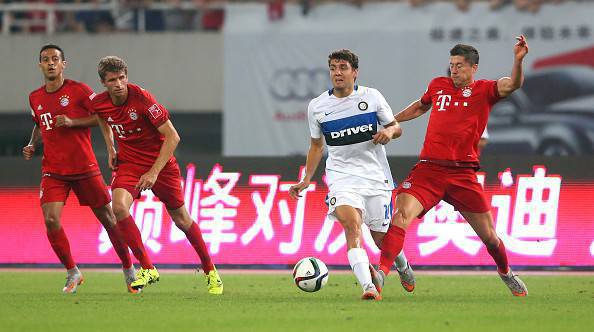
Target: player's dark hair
<point>111,64</point>
<point>470,54</point>
<point>54,47</point>
<point>345,55</point>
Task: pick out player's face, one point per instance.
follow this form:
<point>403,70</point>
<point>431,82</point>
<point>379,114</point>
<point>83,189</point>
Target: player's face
<point>342,74</point>
<point>116,84</point>
<point>51,64</point>
<point>462,72</point>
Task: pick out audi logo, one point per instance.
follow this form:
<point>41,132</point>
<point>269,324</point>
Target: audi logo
<point>299,84</point>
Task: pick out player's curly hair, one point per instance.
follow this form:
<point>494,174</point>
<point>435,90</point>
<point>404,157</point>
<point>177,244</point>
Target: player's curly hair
<point>470,54</point>
<point>345,55</point>
<point>112,64</point>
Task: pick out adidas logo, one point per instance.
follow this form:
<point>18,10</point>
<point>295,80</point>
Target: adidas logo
<point>439,92</point>
<point>39,108</point>
<point>110,119</point>
<point>308,273</point>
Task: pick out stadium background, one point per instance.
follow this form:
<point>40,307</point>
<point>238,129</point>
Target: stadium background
<point>237,78</point>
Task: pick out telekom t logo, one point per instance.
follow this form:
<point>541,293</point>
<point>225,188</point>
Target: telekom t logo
<point>119,129</point>
<point>46,120</point>
<point>443,101</point>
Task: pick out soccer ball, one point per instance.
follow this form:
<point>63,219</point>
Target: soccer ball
<point>310,274</point>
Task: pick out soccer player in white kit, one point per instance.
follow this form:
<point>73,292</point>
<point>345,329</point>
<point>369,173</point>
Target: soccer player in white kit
<point>357,171</point>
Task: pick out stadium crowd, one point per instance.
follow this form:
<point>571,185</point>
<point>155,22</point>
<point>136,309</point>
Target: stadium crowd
<point>106,16</point>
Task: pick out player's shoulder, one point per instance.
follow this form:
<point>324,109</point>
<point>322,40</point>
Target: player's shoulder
<point>100,98</point>
<point>441,81</point>
<point>79,87</point>
<point>37,92</point>
<point>485,83</point>
<point>365,91</point>
<point>141,94</point>
<point>319,100</point>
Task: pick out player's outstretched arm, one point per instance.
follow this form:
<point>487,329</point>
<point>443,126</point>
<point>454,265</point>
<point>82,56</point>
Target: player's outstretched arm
<point>412,111</point>
<point>507,85</point>
<point>108,138</point>
<point>390,131</point>
<point>64,121</point>
<point>314,155</point>
<point>29,149</point>
<point>148,179</point>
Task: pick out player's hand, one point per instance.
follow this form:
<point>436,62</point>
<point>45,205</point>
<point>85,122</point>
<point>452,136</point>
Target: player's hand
<point>112,160</point>
<point>28,152</point>
<point>63,121</point>
<point>521,48</point>
<point>297,188</point>
<point>147,181</point>
<point>383,136</point>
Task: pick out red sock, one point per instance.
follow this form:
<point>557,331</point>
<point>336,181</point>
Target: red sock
<point>391,247</point>
<point>500,257</point>
<point>131,234</point>
<point>59,242</point>
<point>119,245</point>
<point>195,237</point>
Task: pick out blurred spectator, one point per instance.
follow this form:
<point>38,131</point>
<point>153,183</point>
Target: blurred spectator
<point>463,5</point>
<point>418,3</point>
<point>499,4</point>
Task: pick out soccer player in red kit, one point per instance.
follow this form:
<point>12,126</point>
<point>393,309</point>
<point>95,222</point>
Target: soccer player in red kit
<point>146,141</point>
<point>60,110</point>
<point>449,158</point>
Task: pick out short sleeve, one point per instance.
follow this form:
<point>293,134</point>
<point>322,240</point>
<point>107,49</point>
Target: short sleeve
<point>315,129</point>
<point>33,115</point>
<point>485,134</point>
<point>492,92</point>
<point>87,95</point>
<point>156,113</point>
<point>385,114</point>
<point>426,98</point>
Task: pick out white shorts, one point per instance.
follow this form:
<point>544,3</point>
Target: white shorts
<point>376,209</point>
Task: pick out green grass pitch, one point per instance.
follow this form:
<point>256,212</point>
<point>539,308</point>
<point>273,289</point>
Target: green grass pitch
<point>32,301</point>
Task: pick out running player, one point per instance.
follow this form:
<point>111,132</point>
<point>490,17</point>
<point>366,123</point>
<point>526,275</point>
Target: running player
<point>61,112</point>
<point>146,141</point>
<point>359,177</point>
<point>449,159</point>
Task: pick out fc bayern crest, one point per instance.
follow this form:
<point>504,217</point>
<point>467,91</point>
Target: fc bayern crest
<point>64,101</point>
<point>363,106</point>
<point>466,92</point>
<point>133,115</point>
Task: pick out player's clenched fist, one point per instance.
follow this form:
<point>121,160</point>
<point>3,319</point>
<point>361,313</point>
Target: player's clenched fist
<point>28,152</point>
<point>297,188</point>
<point>63,121</point>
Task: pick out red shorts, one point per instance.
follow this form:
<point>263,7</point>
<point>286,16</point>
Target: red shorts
<point>429,183</point>
<point>167,187</point>
<point>89,191</point>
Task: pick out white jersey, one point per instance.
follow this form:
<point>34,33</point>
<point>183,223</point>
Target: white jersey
<point>348,125</point>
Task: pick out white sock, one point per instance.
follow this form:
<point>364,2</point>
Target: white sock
<point>401,262</point>
<point>360,265</point>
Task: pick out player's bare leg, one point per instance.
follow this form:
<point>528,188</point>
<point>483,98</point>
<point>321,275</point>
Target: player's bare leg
<point>184,222</point>
<point>407,209</point>
<point>482,223</point>
<point>59,242</point>
<point>107,218</point>
<point>405,271</point>
<point>122,201</point>
<point>350,219</point>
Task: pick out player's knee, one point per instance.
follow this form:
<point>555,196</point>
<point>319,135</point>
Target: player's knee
<point>351,229</point>
<point>52,222</point>
<point>400,219</point>
<point>120,210</point>
<point>182,223</point>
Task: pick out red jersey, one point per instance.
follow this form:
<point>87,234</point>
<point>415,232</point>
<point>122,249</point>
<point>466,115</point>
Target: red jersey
<point>458,118</point>
<point>134,125</point>
<point>66,151</point>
